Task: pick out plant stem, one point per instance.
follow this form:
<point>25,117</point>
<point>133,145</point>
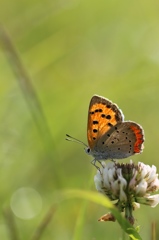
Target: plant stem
<point>10,224</point>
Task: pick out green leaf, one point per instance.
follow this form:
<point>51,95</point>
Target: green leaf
<point>102,200</point>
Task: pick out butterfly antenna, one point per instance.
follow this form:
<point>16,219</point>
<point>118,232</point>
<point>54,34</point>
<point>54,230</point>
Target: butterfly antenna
<point>69,138</point>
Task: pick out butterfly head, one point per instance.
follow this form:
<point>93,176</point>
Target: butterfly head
<point>88,150</point>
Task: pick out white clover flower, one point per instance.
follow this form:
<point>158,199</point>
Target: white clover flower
<point>129,184</point>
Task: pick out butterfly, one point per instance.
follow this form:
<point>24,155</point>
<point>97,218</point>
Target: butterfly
<point>109,136</point>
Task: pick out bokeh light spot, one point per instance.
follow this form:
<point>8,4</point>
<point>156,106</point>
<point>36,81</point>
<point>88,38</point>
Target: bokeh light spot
<point>26,203</point>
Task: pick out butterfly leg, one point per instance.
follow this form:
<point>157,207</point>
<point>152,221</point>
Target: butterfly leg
<point>93,162</point>
<point>101,164</point>
<point>114,161</point>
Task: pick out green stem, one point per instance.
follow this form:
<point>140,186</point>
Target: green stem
<point>31,97</point>
<point>10,221</point>
<point>26,86</point>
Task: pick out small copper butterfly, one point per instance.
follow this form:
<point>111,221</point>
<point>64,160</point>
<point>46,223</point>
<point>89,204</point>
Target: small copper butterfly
<point>109,136</point>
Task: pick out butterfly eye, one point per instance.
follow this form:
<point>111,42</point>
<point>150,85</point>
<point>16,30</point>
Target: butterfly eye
<point>88,150</point>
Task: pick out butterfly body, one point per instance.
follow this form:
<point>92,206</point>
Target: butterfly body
<point>109,136</point>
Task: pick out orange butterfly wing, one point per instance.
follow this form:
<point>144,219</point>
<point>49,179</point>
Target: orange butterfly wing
<point>102,115</point>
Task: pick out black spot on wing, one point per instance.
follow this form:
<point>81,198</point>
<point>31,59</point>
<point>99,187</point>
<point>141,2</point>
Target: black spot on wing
<point>95,130</point>
<point>91,113</point>
<point>109,124</point>
<point>95,122</point>
<point>98,110</point>
<point>108,117</point>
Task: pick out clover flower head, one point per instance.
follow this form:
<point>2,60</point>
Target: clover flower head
<point>129,184</point>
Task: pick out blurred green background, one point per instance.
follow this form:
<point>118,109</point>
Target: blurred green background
<point>71,50</point>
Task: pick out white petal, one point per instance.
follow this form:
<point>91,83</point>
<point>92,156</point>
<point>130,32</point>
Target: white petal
<point>136,205</point>
<point>115,188</point>
<point>132,182</point>
<point>98,182</point>
<point>141,188</point>
<point>122,197</point>
<point>149,200</point>
<point>106,181</point>
<point>153,200</point>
